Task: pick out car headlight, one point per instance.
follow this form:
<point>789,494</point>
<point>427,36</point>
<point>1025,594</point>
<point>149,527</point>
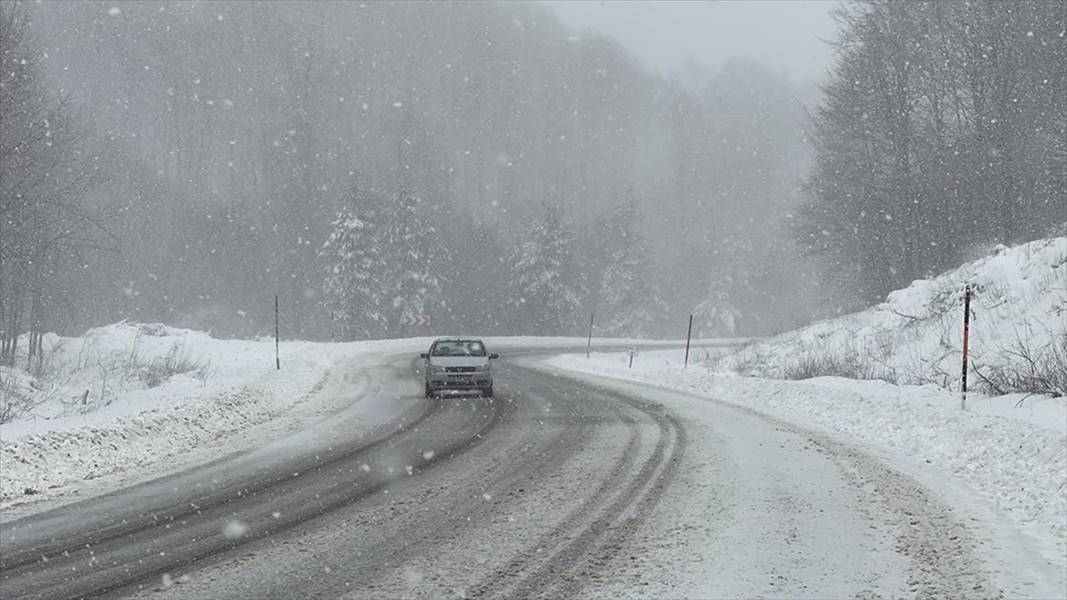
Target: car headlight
<point>436,369</point>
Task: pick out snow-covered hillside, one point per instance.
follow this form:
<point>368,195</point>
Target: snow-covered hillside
<point>1019,316</point>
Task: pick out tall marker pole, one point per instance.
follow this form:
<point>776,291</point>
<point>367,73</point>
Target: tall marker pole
<point>277,354</point>
<point>966,340</point>
<point>688,336</point>
<point>589,342</point>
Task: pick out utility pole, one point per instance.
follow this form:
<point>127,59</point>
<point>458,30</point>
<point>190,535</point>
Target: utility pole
<point>589,342</point>
<point>688,336</point>
<point>277,354</point>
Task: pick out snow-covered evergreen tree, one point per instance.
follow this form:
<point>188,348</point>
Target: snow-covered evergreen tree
<point>415,257</point>
<point>545,291</point>
<point>624,297</point>
<point>727,304</point>
<point>717,315</point>
<point>383,258</point>
<point>356,264</point>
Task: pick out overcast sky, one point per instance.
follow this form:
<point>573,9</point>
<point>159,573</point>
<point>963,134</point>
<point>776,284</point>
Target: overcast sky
<point>784,35</point>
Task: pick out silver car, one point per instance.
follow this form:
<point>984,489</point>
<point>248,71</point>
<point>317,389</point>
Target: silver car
<point>458,364</point>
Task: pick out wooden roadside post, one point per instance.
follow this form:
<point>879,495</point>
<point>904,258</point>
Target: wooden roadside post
<point>277,353</point>
<point>688,336</point>
<point>589,342</point>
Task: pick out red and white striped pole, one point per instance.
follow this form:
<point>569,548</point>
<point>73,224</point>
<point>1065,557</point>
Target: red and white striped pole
<point>966,340</point>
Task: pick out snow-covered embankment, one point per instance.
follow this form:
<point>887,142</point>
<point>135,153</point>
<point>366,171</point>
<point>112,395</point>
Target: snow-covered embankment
<point>1002,460</point>
<point>139,399</point>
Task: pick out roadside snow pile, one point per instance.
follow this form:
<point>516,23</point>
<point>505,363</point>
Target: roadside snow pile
<point>131,394</point>
<point>1015,457</point>
<point>84,374</point>
<point>1018,330</point>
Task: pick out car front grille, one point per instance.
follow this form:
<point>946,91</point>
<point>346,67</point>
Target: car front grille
<point>460,369</point>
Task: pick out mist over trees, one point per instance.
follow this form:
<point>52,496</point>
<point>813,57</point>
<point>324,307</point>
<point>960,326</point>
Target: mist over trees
<point>235,134</point>
<point>484,165</point>
<point>46,226</point>
<point>620,285</point>
<point>944,127</point>
<point>545,289</point>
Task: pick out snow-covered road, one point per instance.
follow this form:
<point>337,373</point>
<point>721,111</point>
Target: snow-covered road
<point>559,487</point>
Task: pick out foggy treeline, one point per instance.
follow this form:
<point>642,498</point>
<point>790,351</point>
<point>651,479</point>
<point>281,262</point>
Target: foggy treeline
<point>943,129</point>
<point>45,173</point>
<point>484,165</point>
<point>234,134</point>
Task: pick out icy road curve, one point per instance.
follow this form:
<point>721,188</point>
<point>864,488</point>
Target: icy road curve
<point>555,488</point>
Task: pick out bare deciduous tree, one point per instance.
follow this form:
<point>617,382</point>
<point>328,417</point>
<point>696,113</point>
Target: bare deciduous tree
<point>45,224</point>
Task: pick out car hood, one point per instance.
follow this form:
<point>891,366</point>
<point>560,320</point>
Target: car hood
<point>459,361</point>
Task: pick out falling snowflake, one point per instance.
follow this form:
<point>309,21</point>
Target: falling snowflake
<point>234,529</point>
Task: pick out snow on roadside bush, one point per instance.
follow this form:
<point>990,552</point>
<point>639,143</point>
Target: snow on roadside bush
<point>83,374</point>
<point>17,393</point>
<point>1018,330</point>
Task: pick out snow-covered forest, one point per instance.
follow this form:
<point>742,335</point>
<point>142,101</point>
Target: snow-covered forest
<point>484,165</point>
<point>533,299</point>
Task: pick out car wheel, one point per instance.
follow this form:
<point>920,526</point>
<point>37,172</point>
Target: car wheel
<point>488,392</point>
<point>428,392</point>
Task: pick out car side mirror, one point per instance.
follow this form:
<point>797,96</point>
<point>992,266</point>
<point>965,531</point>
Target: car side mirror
<point>424,355</point>
<point>494,356</point>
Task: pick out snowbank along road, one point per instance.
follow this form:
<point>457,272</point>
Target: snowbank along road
<point>558,487</point>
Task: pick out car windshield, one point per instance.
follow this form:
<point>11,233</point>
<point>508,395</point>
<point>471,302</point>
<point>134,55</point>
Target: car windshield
<point>458,348</point>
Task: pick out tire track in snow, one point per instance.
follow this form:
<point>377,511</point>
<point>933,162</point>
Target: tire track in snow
<point>12,560</point>
<point>430,538</point>
<point>599,519</point>
<point>402,534</point>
